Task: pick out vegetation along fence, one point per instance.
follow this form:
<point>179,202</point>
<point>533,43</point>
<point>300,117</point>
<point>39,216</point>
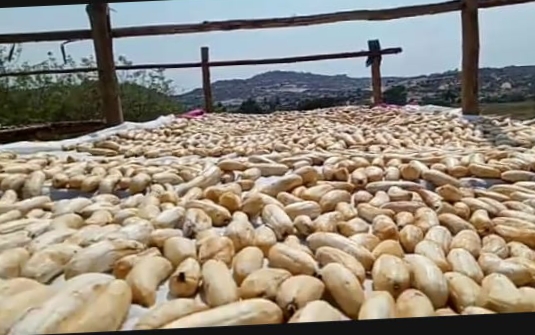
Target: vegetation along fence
<point>102,34</point>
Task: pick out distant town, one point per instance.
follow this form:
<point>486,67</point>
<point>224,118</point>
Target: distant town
<point>284,90</point>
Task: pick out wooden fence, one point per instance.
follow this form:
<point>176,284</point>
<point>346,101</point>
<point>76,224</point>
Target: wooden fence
<point>374,54</point>
<point>102,34</point>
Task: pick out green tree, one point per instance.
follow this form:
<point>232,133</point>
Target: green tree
<point>29,99</point>
<point>274,104</point>
<point>323,102</point>
<point>250,106</point>
<point>395,95</point>
<point>220,108</point>
<point>450,96</point>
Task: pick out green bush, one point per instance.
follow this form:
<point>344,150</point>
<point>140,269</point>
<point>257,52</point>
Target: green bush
<point>395,95</point>
<point>322,102</point>
<point>145,95</point>
<point>250,106</point>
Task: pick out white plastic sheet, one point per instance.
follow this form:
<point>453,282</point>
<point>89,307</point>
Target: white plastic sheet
<point>26,147</point>
<point>433,108</point>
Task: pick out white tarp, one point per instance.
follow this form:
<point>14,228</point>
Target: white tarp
<point>433,109</point>
<point>26,147</point>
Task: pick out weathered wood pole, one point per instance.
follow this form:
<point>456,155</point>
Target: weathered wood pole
<point>99,19</point>
<point>374,60</point>
<point>206,86</point>
<point>470,62</point>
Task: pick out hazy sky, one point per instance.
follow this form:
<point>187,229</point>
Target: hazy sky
<point>430,44</point>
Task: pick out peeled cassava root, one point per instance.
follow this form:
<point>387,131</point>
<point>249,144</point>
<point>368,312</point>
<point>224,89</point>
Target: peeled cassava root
<point>328,215</point>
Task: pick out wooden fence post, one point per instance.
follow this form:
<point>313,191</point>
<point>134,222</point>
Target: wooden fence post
<point>206,86</point>
<point>99,19</point>
<point>470,62</point>
<point>375,62</point>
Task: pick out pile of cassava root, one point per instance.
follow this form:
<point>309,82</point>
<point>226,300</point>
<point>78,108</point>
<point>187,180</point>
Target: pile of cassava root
<point>338,214</point>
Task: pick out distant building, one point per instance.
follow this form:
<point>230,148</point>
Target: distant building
<point>506,86</point>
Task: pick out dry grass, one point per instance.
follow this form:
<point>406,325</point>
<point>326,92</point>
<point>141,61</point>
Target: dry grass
<point>518,110</point>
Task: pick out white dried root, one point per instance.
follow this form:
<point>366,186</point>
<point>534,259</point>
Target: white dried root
<point>245,223</point>
<point>239,313</point>
<point>169,311</point>
<point>14,307</point>
<point>49,316</point>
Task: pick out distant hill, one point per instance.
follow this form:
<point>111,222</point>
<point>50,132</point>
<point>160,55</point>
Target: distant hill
<point>286,89</point>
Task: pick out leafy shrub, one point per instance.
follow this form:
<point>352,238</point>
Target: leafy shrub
<point>145,94</point>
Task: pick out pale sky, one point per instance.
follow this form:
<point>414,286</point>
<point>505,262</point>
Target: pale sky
<point>430,44</point>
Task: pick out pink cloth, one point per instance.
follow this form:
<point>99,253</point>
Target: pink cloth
<point>193,114</point>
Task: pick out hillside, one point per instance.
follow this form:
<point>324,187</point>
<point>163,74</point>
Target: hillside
<point>287,89</point>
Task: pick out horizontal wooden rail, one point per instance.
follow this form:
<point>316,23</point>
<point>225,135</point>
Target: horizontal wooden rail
<point>283,60</point>
<point>296,21</point>
<point>33,3</point>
